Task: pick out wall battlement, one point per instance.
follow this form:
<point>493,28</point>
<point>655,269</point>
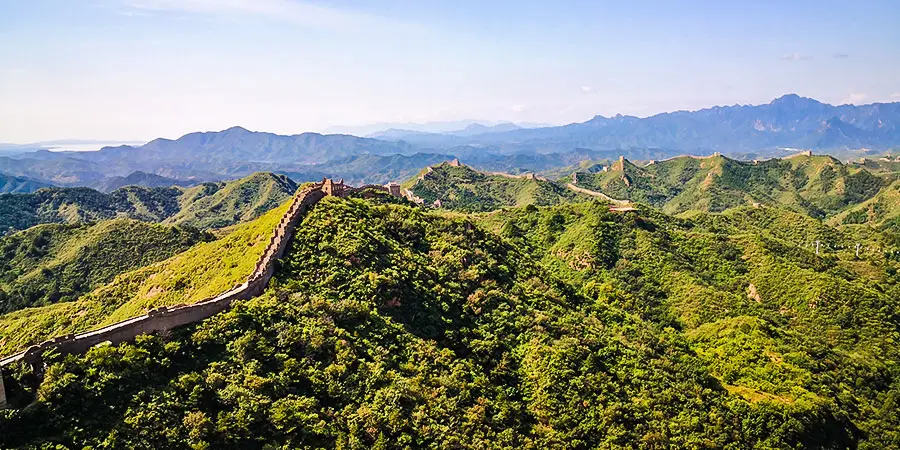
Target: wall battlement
<point>164,318</point>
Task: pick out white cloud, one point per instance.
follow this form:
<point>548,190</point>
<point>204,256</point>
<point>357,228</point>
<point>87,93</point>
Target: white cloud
<point>895,95</point>
<point>290,11</point>
<point>517,108</point>
<point>587,89</point>
<point>855,98</point>
<point>796,57</point>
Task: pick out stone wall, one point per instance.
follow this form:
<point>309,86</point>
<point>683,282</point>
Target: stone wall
<point>161,319</point>
<point>597,194</point>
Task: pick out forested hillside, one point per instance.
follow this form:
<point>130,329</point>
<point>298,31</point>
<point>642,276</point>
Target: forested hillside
<point>814,185</point>
<point>881,211</point>
<point>567,326</point>
<point>203,271</point>
<point>57,263</point>
<point>208,205</point>
<point>778,326</point>
<point>459,187</point>
<point>215,205</point>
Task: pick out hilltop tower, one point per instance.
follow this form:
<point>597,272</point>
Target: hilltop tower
<point>393,188</point>
<point>329,187</point>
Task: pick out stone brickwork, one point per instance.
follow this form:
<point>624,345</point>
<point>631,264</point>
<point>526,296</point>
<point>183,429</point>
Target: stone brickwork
<point>161,319</point>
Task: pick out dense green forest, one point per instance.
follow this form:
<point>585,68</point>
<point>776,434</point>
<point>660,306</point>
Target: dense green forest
<point>567,326</point>
<point>208,205</point>
<point>56,263</point>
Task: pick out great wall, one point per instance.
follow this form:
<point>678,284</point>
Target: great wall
<point>163,319</point>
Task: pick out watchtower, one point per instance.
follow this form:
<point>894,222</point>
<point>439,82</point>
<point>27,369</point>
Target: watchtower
<point>329,187</point>
<point>393,188</point>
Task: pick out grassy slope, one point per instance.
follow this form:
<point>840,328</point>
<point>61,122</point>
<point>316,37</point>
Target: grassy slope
<point>55,263</point>
<point>463,188</point>
<point>201,272</point>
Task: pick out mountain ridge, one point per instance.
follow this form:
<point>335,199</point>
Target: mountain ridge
<point>743,131</point>
<point>532,326</point>
<point>817,185</point>
<point>207,205</point>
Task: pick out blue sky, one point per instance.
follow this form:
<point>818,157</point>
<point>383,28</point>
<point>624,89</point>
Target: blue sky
<point>139,69</point>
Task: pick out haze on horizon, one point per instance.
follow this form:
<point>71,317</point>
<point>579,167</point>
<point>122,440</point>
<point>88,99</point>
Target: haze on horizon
<point>140,69</point>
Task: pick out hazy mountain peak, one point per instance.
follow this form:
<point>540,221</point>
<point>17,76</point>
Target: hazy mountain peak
<point>795,101</point>
<point>237,129</point>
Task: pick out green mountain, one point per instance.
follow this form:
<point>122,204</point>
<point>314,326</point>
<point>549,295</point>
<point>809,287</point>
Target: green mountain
<point>568,326</point>
<point>216,205</point>
<point>208,205</point>
<point>882,210</point>
<point>456,186</point>
<point>779,327</point>
<point>815,185</point>
<point>139,178</point>
<point>203,271</point>
<point>56,263</point>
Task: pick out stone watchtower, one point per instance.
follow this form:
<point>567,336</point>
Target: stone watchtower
<point>393,188</point>
<point>329,187</point>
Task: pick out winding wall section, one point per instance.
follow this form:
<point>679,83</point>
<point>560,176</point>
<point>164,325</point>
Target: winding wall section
<point>161,319</point>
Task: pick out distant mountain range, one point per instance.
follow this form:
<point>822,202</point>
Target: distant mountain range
<point>474,129</point>
<point>742,132</point>
<point>141,179</point>
<point>427,127</point>
<point>790,121</point>
<point>16,185</point>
